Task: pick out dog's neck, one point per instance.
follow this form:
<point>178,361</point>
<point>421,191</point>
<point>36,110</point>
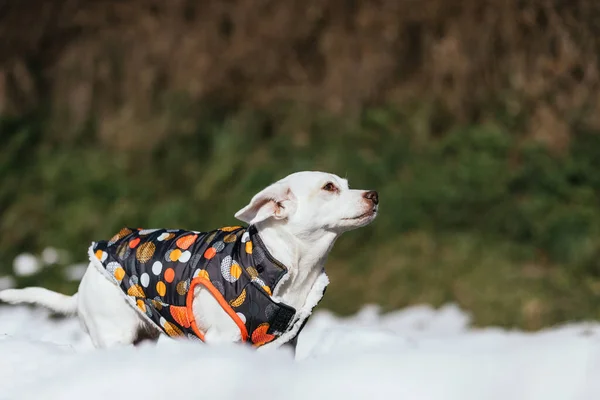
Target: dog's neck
<point>304,257</point>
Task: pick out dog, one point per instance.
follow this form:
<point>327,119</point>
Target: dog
<point>292,224</point>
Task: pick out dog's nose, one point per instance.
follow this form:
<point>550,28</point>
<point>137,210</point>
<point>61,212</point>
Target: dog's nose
<point>373,196</point>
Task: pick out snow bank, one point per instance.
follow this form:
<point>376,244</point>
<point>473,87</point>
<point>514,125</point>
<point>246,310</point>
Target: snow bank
<point>416,353</point>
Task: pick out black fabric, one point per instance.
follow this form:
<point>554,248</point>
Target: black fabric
<point>282,318</point>
<point>157,267</point>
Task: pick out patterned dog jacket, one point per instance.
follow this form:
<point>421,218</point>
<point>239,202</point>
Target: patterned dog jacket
<point>158,269</point>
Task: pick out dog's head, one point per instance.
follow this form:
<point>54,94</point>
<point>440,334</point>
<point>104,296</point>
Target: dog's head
<point>308,202</point>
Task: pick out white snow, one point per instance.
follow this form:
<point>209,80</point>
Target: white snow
<point>417,353</point>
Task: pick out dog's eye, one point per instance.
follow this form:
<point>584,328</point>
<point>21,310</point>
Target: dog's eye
<point>330,187</point>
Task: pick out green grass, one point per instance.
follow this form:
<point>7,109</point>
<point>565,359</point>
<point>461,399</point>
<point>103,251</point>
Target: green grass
<point>499,283</point>
<point>473,214</point>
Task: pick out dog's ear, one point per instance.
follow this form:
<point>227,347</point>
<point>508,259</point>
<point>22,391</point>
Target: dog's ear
<point>276,201</point>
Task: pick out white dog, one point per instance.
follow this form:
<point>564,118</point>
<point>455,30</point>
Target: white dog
<point>297,219</point>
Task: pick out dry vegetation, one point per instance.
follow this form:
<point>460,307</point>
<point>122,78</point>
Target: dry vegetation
<point>124,61</point>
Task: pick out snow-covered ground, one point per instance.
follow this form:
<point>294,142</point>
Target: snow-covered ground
<point>415,353</point>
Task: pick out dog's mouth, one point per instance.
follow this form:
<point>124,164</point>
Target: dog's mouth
<point>371,213</point>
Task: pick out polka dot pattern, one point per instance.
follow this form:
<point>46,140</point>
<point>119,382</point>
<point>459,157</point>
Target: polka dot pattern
<point>161,288</point>
<point>141,305</point>
<point>260,335</point>
<point>230,228</point>
<point>172,329</point>
<point>155,269</point>
<point>135,291</point>
<point>120,235</point>
<point>254,276</point>
<point>123,251</point>
<point>119,274</point>
<point>252,272</point>
<point>145,232</point>
<point>101,255</point>
<point>145,280</point>
<point>235,303</point>
<point>148,310</point>
<point>235,270</point>
<point>175,254</point>
<point>245,237</point>
<point>210,237</point>
<point>258,281</point>
<point>195,260</point>
<point>145,252</point>
<point>185,257</point>
<point>133,280</point>
<point>230,269</point>
<point>179,314</point>
<point>219,246</point>
<point>165,236</point>
<point>183,287</point>
<point>210,253</point>
<point>186,241</point>
<point>202,273</point>
<point>230,238</point>
<point>169,275</point>
<point>115,269</point>
<point>216,248</point>
<point>157,304</point>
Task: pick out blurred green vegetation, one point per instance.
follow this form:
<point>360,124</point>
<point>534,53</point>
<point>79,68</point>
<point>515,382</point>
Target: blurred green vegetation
<point>473,214</point>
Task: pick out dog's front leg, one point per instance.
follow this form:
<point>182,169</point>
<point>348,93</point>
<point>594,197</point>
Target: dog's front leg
<point>212,320</point>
